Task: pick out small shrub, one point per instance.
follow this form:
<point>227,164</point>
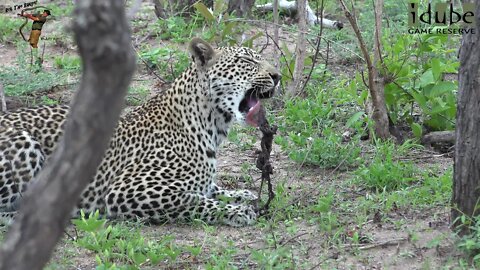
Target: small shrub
<point>123,245</point>
<point>21,82</point>
<point>137,95</point>
<point>9,29</point>
<point>310,136</point>
<point>470,243</point>
<point>68,62</point>
<point>384,173</point>
<point>168,61</point>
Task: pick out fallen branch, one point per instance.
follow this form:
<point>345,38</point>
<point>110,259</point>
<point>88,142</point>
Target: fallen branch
<point>290,7</point>
<point>263,160</point>
<point>389,242</point>
<point>439,137</point>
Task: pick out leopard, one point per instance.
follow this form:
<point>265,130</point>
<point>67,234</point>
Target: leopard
<point>161,162</point>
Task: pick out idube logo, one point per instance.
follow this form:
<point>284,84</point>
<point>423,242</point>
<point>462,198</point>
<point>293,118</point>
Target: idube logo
<point>444,19</point>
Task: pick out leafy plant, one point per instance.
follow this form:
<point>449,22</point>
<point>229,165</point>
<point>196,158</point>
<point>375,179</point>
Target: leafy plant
<point>137,95</point>
<point>120,244</point>
<point>174,28</point>
<point>20,82</point>
<point>324,214</point>
<point>9,29</point>
<point>310,136</point>
<point>68,62</point>
<point>384,173</point>
<point>470,243</point>
<point>278,258</point>
<point>169,61</point>
<point>219,28</point>
<point>415,69</point>
<point>222,257</point>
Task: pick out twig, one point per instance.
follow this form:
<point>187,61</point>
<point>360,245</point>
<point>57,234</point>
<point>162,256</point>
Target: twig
<point>390,242</point>
<point>275,32</point>
<point>281,52</point>
<point>148,66</point>
<point>69,235</point>
<point>293,238</point>
<point>317,48</point>
<point>286,28</point>
<point>3,103</point>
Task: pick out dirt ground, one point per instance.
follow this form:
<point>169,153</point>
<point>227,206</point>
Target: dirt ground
<point>404,239</point>
<point>390,242</point>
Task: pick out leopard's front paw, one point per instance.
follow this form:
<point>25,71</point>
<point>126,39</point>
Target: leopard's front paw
<point>241,215</point>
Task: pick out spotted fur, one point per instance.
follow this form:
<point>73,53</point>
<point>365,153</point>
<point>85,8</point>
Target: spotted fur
<point>161,162</point>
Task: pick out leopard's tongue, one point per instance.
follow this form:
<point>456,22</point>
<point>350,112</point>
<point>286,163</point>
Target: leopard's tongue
<point>254,113</point>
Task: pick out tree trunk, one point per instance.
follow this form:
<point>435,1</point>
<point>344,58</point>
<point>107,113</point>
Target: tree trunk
<point>466,183</point>
<point>241,8</point>
<point>104,42</point>
<point>159,9</point>
<point>300,49</point>
<point>375,83</point>
<point>380,114</point>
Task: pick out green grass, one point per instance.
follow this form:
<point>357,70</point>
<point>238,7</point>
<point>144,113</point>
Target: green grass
<point>22,82</point>
<point>137,95</point>
<point>384,173</point>
<point>9,29</point>
<point>168,61</point>
<point>121,246</point>
<point>68,63</point>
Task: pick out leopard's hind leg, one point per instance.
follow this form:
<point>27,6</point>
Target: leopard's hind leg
<point>134,195</point>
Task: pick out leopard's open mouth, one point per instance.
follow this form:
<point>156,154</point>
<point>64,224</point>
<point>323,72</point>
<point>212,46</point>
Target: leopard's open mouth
<point>250,105</point>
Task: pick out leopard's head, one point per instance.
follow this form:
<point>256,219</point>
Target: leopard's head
<point>237,79</point>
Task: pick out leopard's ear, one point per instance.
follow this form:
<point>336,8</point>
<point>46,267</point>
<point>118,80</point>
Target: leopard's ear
<point>202,52</point>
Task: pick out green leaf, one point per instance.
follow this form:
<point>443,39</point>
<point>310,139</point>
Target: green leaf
<point>438,109</point>
<point>442,88</point>
<point>427,78</point>
<point>228,29</point>
<point>206,13</point>
<point>363,97</point>
<point>354,118</point>
<point>417,130</point>
<point>420,99</point>
<point>219,6</point>
<point>436,68</point>
<point>139,258</point>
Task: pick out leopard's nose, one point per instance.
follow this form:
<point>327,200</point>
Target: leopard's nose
<point>276,77</point>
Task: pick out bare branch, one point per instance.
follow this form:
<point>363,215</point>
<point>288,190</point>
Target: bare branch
<point>103,39</point>
<point>275,33</point>
<point>3,103</point>
<point>317,50</point>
